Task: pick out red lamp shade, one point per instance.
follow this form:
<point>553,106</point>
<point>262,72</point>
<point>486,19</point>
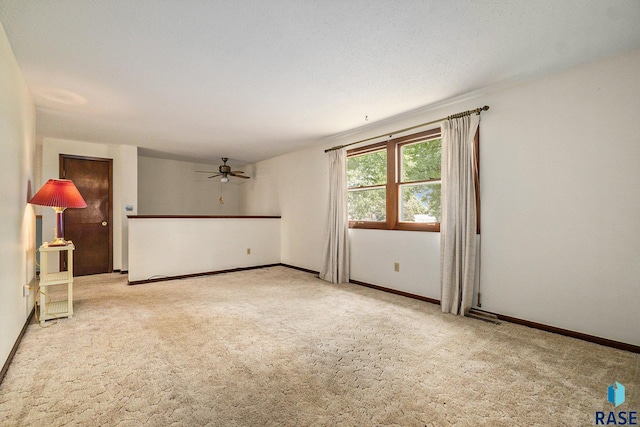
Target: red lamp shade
<point>59,194</point>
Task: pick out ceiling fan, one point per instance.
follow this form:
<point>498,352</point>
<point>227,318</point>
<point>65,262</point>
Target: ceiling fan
<point>225,172</point>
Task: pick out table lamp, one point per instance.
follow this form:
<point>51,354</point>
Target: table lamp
<point>59,194</point>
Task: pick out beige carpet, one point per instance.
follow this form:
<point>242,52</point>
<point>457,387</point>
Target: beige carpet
<point>278,347</point>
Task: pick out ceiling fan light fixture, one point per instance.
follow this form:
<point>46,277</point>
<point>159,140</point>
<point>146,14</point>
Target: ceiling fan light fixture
<point>224,171</point>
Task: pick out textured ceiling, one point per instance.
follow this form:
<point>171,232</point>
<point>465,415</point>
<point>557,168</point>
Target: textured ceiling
<point>253,79</point>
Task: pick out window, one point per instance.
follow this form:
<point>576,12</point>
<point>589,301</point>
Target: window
<point>367,182</point>
<point>419,186</point>
<point>395,185</point>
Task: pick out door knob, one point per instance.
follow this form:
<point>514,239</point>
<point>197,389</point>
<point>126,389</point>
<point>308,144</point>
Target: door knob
<point>104,223</point>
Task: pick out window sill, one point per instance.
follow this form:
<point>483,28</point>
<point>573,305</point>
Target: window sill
<point>404,226</point>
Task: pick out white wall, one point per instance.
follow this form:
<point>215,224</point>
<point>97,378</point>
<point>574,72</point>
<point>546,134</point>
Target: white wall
<point>374,253</point>
<point>172,187</point>
<point>561,200</point>
<point>125,183</point>
<point>17,228</point>
<point>125,177</point>
<point>169,247</point>
<point>560,187</point>
<point>294,186</point>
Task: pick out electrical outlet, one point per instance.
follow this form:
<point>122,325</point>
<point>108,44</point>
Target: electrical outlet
<point>396,266</point>
<point>248,251</point>
<point>26,290</point>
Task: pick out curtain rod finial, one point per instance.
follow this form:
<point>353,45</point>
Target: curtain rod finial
<point>337,147</point>
<point>485,108</point>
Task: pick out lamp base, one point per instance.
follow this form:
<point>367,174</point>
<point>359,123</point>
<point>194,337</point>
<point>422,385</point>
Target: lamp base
<point>58,232</point>
<point>58,242</point>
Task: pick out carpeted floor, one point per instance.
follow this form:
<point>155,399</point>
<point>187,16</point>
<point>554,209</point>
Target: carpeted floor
<point>278,347</point>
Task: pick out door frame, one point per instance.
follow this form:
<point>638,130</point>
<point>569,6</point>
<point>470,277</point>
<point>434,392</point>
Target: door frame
<point>62,172</point>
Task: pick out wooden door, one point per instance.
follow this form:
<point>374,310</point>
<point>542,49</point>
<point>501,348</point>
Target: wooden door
<point>90,228</point>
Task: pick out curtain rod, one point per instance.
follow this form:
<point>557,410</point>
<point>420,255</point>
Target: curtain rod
<point>453,116</point>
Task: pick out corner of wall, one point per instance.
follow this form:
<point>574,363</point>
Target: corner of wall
<point>17,228</point>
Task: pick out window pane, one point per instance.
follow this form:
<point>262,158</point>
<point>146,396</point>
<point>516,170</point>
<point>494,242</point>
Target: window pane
<point>367,205</point>
<point>367,169</point>
<point>420,202</point>
<point>421,160</point>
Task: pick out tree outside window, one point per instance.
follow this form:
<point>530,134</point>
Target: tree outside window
<point>420,181</point>
<point>366,180</point>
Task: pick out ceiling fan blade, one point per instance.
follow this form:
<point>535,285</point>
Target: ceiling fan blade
<point>213,176</point>
<point>237,172</point>
<point>238,176</point>
<point>206,171</point>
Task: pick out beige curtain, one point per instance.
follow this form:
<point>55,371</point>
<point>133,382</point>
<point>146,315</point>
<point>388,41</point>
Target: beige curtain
<point>335,259</point>
<point>458,224</point>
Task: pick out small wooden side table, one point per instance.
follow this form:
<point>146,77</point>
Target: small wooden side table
<point>55,309</point>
